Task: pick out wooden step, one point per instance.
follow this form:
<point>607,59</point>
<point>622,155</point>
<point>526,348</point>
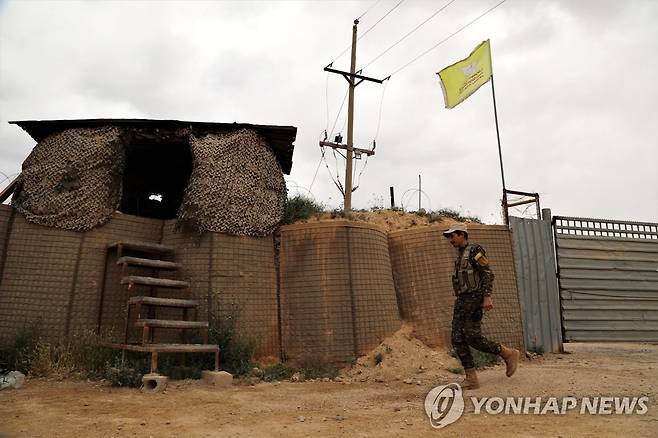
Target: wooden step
<point>152,281</point>
<point>170,348</point>
<point>165,302</point>
<point>148,247</point>
<point>149,263</point>
<point>171,323</point>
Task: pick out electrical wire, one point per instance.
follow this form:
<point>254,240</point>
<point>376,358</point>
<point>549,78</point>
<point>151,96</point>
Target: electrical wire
<point>369,29</point>
<point>447,38</point>
<point>380,20</point>
<point>340,110</point>
<point>326,98</point>
<point>319,163</point>
<point>379,118</point>
<point>358,183</point>
<point>368,10</point>
<point>408,34</point>
<point>337,184</point>
<point>316,170</point>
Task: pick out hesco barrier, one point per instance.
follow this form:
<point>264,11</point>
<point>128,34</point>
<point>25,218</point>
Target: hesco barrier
<point>337,297</point>
<point>235,279</point>
<point>57,277</point>
<point>423,260</point>
<point>337,293</point>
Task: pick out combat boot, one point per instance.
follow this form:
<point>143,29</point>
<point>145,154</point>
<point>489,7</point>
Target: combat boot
<point>471,380</point>
<point>511,358</point>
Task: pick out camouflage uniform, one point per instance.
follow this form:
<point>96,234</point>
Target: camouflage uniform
<point>471,280</point>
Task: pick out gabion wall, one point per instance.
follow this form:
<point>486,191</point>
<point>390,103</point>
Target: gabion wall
<point>56,276</point>
<point>234,277</point>
<point>423,261</point>
<point>336,287</point>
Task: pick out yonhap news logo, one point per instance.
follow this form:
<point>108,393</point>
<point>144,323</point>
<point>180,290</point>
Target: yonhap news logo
<point>445,404</point>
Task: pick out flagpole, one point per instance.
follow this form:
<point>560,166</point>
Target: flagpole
<point>500,153</point>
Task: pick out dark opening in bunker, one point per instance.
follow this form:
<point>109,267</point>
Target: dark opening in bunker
<point>155,176</point>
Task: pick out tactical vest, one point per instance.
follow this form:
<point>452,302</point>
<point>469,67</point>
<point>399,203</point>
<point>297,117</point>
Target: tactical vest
<point>465,278</point>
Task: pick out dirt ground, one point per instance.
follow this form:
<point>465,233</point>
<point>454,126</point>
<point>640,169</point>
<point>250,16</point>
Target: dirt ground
<point>378,401</point>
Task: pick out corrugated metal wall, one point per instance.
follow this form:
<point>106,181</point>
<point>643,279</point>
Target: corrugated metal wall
<point>608,277</point>
<point>538,287</point>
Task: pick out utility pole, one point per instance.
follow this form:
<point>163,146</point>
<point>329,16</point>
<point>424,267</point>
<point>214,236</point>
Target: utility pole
<point>351,78</point>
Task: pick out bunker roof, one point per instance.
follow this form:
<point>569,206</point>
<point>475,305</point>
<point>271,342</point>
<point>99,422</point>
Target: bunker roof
<point>280,138</point>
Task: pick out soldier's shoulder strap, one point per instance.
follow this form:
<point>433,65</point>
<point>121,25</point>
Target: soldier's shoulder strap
<point>477,254</point>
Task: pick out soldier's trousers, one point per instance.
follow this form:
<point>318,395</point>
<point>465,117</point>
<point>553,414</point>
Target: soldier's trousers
<point>466,325</point>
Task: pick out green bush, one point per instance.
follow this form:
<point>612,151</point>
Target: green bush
<point>300,207</point>
<point>124,373</point>
<point>453,214</point>
<point>379,358</point>
<point>91,354</point>
<point>236,353</point>
<point>313,368</point>
<point>19,356</point>
<point>278,371</point>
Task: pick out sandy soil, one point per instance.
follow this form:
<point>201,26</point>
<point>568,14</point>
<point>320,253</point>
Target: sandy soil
<point>389,219</point>
<point>382,405</point>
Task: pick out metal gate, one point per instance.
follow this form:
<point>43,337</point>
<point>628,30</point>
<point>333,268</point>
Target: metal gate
<point>608,279</point>
<point>535,274</point>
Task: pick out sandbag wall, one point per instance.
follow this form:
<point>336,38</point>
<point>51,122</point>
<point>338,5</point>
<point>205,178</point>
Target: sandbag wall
<point>234,277</point>
<point>423,260</point>
<point>336,289</point>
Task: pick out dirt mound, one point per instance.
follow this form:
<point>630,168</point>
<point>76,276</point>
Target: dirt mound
<point>391,220</point>
<point>401,357</point>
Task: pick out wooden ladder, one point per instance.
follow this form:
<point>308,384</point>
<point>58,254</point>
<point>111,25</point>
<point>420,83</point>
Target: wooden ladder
<point>150,255</point>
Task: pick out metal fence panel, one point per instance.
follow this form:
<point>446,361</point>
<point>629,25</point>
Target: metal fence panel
<point>537,283</point>
<point>608,277</point>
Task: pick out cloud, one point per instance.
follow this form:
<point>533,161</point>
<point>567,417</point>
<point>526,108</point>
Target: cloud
<point>574,83</point>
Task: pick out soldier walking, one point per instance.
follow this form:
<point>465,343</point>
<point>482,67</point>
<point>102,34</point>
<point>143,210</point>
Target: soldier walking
<point>472,281</point>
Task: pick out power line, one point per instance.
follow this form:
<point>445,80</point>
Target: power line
<point>409,33</point>
<point>368,10</point>
<point>447,38</point>
<point>316,171</point>
<point>340,110</point>
<point>379,118</point>
<point>369,29</point>
<point>380,20</point>
<point>326,98</point>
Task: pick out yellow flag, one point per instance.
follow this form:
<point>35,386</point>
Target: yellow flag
<point>464,77</point>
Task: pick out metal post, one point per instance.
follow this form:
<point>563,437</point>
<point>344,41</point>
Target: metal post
<point>420,188</point>
<point>500,154</point>
<point>392,198</point>
<point>350,125</point>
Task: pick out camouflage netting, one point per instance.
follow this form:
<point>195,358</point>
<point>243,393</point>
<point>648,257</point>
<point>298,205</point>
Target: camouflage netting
<point>72,179</point>
<point>236,186</point>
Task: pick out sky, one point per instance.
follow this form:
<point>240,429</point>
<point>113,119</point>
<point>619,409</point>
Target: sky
<point>575,84</point>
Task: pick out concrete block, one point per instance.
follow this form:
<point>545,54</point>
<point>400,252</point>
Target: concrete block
<point>221,379</point>
<point>154,383</point>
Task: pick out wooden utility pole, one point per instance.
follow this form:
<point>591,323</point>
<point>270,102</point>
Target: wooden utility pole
<point>351,78</point>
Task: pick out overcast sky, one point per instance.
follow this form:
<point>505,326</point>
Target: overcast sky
<point>575,81</point>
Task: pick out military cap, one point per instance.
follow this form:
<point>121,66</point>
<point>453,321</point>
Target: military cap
<point>455,227</point>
